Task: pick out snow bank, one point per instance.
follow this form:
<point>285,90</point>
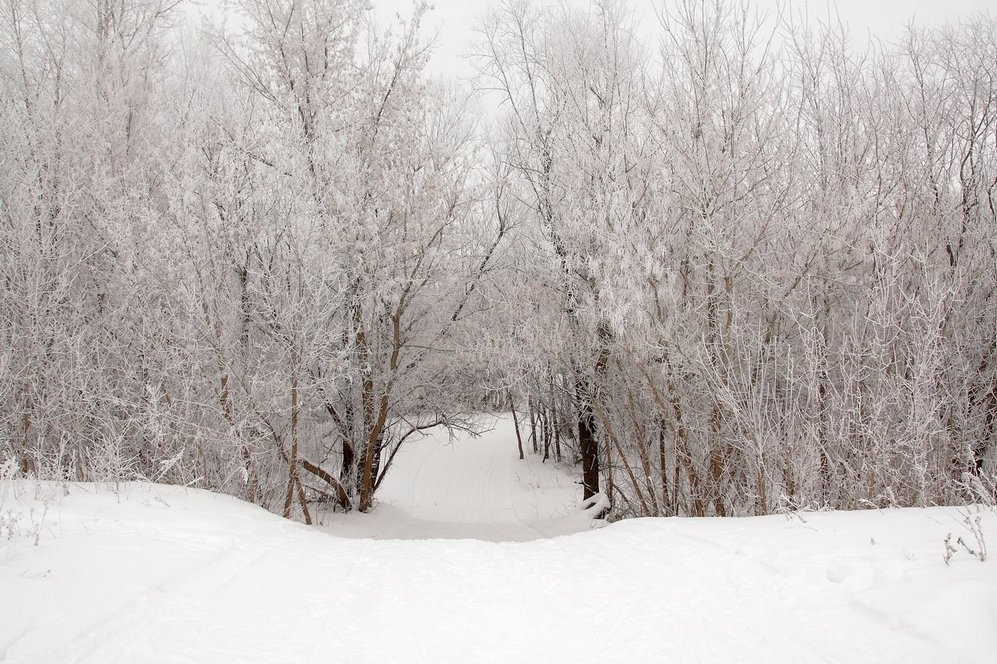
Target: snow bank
<point>154,573</point>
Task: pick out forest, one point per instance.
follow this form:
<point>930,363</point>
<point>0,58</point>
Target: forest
<point>745,266</point>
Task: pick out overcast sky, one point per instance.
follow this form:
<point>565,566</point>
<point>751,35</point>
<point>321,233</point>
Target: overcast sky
<point>454,19</point>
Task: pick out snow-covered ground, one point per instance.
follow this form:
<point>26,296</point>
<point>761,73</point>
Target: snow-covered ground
<point>474,488</point>
<point>141,572</point>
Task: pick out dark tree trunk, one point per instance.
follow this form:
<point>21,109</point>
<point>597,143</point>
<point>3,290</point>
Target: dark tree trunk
<point>515,421</point>
<point>533,427</point>
<point>666,500</point>
<point>545,432</point>
<point>348,471</point>
<point>557,428</point>
<point>588,448</point>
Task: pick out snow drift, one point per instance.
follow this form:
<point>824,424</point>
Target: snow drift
<point>141,572</point>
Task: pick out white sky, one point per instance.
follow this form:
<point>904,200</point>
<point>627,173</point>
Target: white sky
<point>885,18</point>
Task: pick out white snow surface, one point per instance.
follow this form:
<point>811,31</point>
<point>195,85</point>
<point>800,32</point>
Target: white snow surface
<point>150,573</point>
<point>476,488</point>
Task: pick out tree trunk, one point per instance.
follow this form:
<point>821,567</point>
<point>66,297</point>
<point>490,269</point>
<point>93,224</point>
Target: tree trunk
<point>666,502</point>
<point>515,421</point>
<point>348,471</point>
<point>292,462</point>
<point>546,434</point>
<point>557,429</point>
<point>370,457</point>
<point>533,426</point>
<point>588,446</point>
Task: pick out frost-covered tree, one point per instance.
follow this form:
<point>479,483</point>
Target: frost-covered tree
<point>78,189</point>
<point>569,83</point>
<point>388,214</point>
<point>754,254</point>
<point>740,268</point>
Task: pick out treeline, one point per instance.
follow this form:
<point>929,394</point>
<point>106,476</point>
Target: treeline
<point>745,267</point>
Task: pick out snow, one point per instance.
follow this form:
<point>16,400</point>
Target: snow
<point>470,488</point>
<point>143,572</point>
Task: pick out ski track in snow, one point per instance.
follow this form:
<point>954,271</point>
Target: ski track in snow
<point>149,573</point>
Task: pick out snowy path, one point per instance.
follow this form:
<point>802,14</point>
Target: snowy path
<point>470,488</point>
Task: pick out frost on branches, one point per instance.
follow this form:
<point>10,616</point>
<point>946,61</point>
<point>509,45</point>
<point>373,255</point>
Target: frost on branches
<point>736,267</point>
